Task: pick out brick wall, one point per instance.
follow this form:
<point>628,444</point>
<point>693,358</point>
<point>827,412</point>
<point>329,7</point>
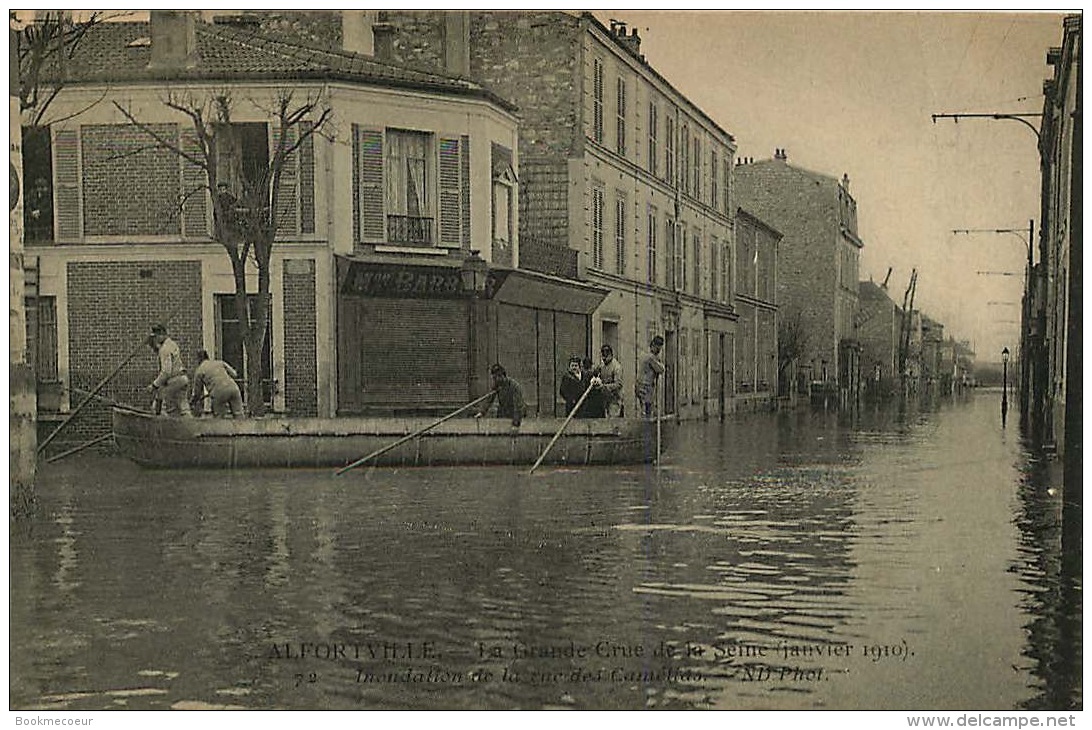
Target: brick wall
<point>804,207</point>
<point>111,307</point>
<point>300,365</point>
<point>130,186</point>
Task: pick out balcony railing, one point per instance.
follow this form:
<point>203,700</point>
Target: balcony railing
<point>410,230</point>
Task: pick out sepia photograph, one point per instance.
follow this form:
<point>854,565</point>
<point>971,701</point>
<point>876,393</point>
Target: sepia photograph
<point>499,359</point>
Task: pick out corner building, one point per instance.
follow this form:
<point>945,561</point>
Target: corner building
<point>625,183</point>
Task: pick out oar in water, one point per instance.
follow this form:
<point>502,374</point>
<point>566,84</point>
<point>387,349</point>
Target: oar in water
<point>91,395</point>
<point>413,435</point>
<point>557,435</point>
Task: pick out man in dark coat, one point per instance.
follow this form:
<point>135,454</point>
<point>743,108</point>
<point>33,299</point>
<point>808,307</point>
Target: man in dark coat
<point>507,394</point>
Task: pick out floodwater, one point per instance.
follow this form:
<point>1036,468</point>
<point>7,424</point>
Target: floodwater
<point>893,560</point>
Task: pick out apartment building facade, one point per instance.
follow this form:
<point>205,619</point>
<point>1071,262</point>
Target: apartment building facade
<point>879,331</point>
<point>624,182</point>
<point>818,261</point>
<point>756,364</point>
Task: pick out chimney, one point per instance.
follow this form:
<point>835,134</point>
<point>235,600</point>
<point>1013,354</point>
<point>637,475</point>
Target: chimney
<point>174,39</point>
<point>457,42</point>
<point>631,42</point>
<point>845,181</point>
<point>780,154</point>
<point>383,41</point>
<point>356,31</point>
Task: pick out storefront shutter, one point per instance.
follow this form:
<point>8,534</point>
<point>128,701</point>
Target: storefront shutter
<point>517,350</point>
<point>421,363</point>
<point>368,221</point>
<point>66,170</point>
<point>451,216</point>
<point>195,192</point>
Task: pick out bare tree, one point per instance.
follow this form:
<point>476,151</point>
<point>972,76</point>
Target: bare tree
<point>792,339</point>
<point>47,46</point>
<point>245,224</point>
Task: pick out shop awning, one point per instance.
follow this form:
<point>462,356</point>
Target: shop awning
<point>542,291</point>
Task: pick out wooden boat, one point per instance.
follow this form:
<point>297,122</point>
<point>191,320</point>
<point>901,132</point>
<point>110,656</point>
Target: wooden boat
<point>211,443</point>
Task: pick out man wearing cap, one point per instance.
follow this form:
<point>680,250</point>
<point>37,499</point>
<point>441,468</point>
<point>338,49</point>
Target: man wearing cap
<point>610,377</point>
<point>507,393</point>
<point>648,376</point>
<point>171,385</point>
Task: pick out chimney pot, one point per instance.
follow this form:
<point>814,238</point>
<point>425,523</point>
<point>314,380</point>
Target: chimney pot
<point>383,34</point>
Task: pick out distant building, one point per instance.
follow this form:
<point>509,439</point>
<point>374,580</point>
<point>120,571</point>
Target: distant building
<point>756,364</point>
<point>818,260</point>
<point>879,327</point>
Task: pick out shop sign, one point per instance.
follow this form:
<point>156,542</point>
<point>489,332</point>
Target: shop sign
<point>409,282</point>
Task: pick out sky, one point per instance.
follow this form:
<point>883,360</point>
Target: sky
<point>853,93</point>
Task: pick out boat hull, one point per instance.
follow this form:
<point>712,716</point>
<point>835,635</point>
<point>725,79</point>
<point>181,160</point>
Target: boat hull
<point>217,443</point>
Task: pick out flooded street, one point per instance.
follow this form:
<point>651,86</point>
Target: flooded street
<point>796,560</point>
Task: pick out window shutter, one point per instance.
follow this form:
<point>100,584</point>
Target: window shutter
<point>465,186</point>
<point>451,199</point>
<point>66,170</point>
<point>195,192</point>
<point>368,221</point>
<point>307,180</point>
<point>287,209</point>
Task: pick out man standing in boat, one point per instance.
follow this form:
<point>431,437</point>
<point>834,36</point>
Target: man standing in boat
<point>171,386</point>
<point>218,378</point>
<point>507,394</point>
<point>610,378</point>
<point>648,377</point>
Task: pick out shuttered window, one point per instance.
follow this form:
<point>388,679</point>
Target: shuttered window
<point>368,212</point>
<point>714,272</point>
<point>653,223</point>
<point>287,208</point>
<point>597,101</point>
<point>621,146</point>
<point>66,167</point>
<point>451,200</point>
<point>307,179</point>
<point>620,235</point>
<point>597,228</point>
<point>697,265</point>
<point>195,190</point>
<point>653,143</point>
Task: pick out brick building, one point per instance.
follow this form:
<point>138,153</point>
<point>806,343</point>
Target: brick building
<point>817,261</point>
<point>393,279</point>
<point>756,362</point>
<point>624,182</point>
<point>879,328</point>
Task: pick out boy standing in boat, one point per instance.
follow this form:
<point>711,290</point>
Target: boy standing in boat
<point>171,385</point>
<point>507,393</point>
<point>218,378</point>
<point>648,377</point>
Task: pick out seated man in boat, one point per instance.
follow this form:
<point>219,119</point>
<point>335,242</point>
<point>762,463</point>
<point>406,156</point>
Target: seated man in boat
<point>171,385</point>
<point>218,378</point>
<point>507,394</point>
<point>574,383</point>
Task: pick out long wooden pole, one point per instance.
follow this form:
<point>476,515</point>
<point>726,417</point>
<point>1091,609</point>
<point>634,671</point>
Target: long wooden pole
<point>79,448</point>
<point>90,396</point>
<point>109,401</point>
<point>557,435</point>
<point>413,435</point>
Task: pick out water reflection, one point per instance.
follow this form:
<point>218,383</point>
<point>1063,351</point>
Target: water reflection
<point>893,558</point>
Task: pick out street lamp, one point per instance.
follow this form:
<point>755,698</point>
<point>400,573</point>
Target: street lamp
<point>1004,382</point>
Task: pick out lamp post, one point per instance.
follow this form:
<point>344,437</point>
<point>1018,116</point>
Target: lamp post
<point>1004,383</point>
<point>1027,330</point>
<point>475,275</point>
